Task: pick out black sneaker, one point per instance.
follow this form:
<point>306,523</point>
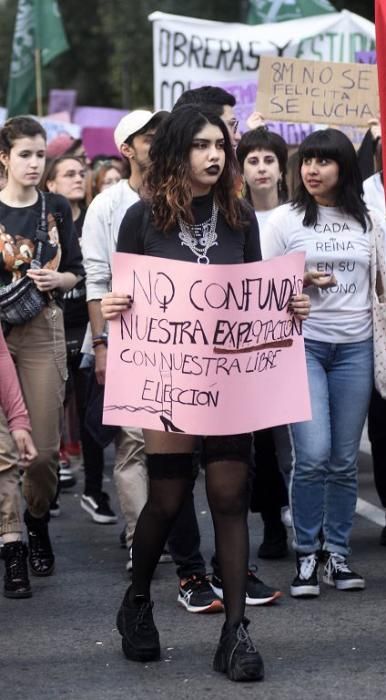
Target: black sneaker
<point>16,582</point>
<point>337,573</point>
<point>237,656</point>
<point>196,595</point>
<point>274,544</point>
<point>41,557</point>
<point>257,592</point>
<point>140,638</point>
<point>306,581</point>
<point>98,507</point>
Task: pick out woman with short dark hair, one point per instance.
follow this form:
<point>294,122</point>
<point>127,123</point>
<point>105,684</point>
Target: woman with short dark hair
<point>263,157</point>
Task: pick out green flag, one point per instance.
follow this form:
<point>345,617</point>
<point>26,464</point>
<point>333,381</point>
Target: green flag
<point>261,11</point>
<point>38,26</point>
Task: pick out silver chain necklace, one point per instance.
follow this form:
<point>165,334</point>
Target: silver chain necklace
<point>200,237</point>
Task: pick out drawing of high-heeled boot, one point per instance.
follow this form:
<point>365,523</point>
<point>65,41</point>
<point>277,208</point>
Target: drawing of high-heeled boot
<point>169,426</point>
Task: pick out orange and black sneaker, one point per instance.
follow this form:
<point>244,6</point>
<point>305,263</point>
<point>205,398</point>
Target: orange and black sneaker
<point>257,592</point>
<point>196,595</point>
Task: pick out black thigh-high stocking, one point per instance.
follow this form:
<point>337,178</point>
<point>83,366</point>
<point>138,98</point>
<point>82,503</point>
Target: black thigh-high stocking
<point>170,480</point>
<point>228,498</point>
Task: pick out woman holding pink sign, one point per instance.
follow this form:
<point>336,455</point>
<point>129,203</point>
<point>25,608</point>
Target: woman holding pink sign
<point>192,213</point>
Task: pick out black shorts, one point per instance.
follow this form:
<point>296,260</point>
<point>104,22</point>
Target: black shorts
<point>235,448</point>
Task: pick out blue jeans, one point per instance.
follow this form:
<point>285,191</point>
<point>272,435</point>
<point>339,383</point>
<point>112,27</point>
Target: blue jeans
<point>324,482</point>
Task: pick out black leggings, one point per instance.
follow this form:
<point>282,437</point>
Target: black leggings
<point>171,479</point>
<point>93,458</point>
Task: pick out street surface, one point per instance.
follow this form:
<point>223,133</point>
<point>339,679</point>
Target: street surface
<point>63,643</point>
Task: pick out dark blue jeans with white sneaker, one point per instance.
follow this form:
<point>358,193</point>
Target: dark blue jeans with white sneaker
<point>324,482</point>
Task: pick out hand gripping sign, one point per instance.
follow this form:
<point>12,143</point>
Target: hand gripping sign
<point>206,349</point>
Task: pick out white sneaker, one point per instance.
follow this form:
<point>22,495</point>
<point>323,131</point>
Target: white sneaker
<point>99,508</point>
<point>337,573</point>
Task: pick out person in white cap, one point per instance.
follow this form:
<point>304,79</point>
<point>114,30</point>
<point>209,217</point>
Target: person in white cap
<point>133,137</point>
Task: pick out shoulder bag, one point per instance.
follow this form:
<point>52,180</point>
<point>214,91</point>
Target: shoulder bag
<point>21,301</point>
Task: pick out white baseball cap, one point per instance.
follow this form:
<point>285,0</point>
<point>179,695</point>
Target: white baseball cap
<point>133,122</point>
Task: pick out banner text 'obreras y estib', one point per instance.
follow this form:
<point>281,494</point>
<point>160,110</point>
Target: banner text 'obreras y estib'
<point>189,51</point>
<point>206,349</point>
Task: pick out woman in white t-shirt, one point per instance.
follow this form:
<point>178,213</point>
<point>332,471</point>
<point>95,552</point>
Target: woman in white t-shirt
<point>263,157</point>
<point>328,219</point>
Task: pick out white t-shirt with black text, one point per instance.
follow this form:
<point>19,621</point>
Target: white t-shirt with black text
<point>336,244</point>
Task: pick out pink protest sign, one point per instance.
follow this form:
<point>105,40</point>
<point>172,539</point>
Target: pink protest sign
<point>206,349</point>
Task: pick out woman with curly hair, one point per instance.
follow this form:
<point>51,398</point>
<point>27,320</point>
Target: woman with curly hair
<point>194,215</point>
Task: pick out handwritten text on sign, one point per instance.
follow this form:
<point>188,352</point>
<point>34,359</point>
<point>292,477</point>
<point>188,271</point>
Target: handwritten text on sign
<point>206,349</point>
<point>313,91</point>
